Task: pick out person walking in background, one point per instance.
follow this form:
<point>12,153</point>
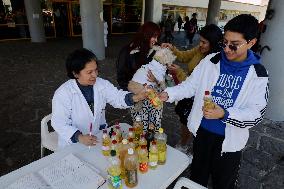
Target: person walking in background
<point>169,28</point>
<point>179,21</point>
<point>140,52</point>
<point>190,27</point>
<point>238,84</point>
<point>210,36</point>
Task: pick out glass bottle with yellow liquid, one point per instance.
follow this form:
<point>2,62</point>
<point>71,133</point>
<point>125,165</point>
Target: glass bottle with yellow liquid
<point>161,139</point>
<point>142,141</point>
<point>123,151</point>
<point>105,143</point>
<point>114,180</point>
<point>130,164</point>
<point>143,159</point>
<point>153,155</point>
<point>118,132</point>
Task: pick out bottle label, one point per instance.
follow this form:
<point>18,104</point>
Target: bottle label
<point>131,176</point>
<point>105,148</point>
<point>114,181</point>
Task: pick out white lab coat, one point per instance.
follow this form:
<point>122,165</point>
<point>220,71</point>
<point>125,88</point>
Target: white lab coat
<point>70,110</point>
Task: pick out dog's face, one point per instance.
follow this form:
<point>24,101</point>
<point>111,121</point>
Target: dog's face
<point>165,56</point>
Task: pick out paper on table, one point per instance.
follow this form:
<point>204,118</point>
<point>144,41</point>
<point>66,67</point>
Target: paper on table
<point>30,181</point>
<point>71,173</point>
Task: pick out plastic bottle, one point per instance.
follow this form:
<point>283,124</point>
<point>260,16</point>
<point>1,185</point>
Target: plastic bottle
<point>143,159</point>
<point>118,132</point>
<point>138,129</point>
<point>208,103</point>
<point>114,180</point>
<point>114,136</point>
<point>161,139</point>
<point>154,99</point>
<point>142,142</point>
<point>131,133</point>
<point>130,164</point>
<point>114,146</point>
<point>105,143</point>
<point>131,144</point>
<point>153,155</point>
<point>122,153</point>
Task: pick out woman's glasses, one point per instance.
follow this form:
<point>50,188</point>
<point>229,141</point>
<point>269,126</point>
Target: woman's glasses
<point>231,46</point>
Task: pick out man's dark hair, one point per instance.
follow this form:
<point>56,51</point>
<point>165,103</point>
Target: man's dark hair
<point>77,60</point>
<point>245,24</point>
<point>214,35</point>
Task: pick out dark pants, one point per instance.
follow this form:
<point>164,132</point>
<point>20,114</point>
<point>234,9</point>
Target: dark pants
<point>190,37</point>
<point>207,159</point>
<point>168,37</point>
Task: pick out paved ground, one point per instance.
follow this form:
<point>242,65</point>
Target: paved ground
<point>30,73</point>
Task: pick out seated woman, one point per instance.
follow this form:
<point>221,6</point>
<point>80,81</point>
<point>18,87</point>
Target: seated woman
<point>81,100</point>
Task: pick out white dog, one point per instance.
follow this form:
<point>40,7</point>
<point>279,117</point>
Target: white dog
<point>157,66</point>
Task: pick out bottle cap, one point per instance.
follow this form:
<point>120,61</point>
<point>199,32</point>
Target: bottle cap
<point>114,142</point>
<point>117,127</point>
<point>112,153</point>
<point>130,140</point>
<point>130,151</point>
<point>143,146</point>
<point>154,143</point>
<point>104,131</point>
<point>114,133</point>
<point>207,93</point>
<point>131,129</point>
<point>161,130</point>
<point>124,141</point>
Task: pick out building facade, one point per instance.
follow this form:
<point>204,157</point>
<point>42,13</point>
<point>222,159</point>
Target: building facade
<point>61,18</point>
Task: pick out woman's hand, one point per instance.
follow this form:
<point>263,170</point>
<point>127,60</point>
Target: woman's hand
<point>151,77</point>
<point>88,140</point>
<point>173,68</point>
<point>215,113</point>
<point>167,45</point>
<point>163,96</point>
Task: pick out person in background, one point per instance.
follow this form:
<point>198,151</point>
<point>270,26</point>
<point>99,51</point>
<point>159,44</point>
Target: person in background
<point>210,36</point>
<point>169,28</point>
<point>81,101</point>
<point>190,27</point>
<point>138,52</point>
<point>239,88</point>
<point>179,21</point>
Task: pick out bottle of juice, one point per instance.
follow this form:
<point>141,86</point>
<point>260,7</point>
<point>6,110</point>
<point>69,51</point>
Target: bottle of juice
<point>143,159</point>
<point>114,136</point>
<point>142,141</point>
<point>130,164</point>
<point>161,139</point>
<point>105,143</point>
<point>123,151</point>
<point>114,180</point>
<point>138,128</point>
<point>131,133</point>
<point>114,146</point>
<point>154,99</point>
<point>118,132</point>
<point>131,144</point>
<point>153,155</point>
<point>208,103</point>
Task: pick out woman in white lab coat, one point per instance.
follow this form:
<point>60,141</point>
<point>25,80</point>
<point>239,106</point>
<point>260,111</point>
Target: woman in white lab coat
<point>81,101</point>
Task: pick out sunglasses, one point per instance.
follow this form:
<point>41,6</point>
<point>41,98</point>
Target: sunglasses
<point>231,46</point>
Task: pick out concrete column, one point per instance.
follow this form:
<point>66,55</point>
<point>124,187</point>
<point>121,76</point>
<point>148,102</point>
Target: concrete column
<point>35,21</point>
<point>273,60</point>
<point>213,12</point>
<point>92,26</point>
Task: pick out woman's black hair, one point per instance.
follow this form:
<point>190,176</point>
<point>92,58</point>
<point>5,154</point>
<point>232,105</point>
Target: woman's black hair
<point>214,35</point>
<point>77,60</point>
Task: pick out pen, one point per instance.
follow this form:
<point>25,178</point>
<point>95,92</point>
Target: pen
<point>90,133</point>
